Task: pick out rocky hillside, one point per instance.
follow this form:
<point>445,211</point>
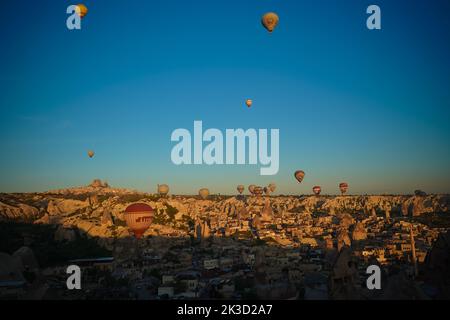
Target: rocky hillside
<point>97,210</point>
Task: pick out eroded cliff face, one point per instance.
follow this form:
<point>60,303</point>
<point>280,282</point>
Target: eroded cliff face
<point>97,210</point>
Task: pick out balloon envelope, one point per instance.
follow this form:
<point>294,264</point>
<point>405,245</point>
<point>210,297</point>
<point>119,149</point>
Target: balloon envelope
<point>249,102</point>
<point>251,188</point>
<point>270,21</point>
<point>299,175</point>
<point>204,193</point>
<point>343,186</point>
<point>138,217</point>
<point>272,187</point>
<point>317,190</point>
<point>258,191</point>
<point>163,189</point>
<point>90,153</point>
<point>82,10</point>
<point>240,188</point>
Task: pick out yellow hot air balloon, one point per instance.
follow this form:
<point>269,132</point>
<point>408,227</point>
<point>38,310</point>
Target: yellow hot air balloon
<point>163,189</point>
<point>90,153</point>
<point>203,193</point>
<point>249,102</point>
<point>270,21</point>
<point>82,10</point>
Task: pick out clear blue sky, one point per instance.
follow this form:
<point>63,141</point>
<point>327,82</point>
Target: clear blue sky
<point>368,107</point>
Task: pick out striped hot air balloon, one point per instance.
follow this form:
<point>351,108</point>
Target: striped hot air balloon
<point>317,190</point>
<point>138,217</point>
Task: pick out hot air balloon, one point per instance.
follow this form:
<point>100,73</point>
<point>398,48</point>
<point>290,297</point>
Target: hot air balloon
<point>249,102</point>
<point>251,188</point>
<point>299,175</point>
<point>317,190</point>
<point>138,217</point>
<point>258,191</point>
<point>420,193</point>
<point>204,193</point>
<point>272,186</point>
<point>90,153</point>
<point>270,21</point>
<point>267,191</point>
<point>163,189</point>
<point>82,10</point>
<point>343,186</point>
<point>240,188</point>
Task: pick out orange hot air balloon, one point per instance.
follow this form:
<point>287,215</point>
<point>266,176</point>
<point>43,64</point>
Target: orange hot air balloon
<point>343,186</point>
<point>138,217</point>
<point>270,21</point>
<point>249,102</point>
<point>251,188</point>
<point>240,188</point>
<point>317,190</point>
<point>299,175</point>
<point>82,10</point>
<point>90,153</point>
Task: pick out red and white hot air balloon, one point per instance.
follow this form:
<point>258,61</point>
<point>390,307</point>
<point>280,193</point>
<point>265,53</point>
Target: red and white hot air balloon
<point>343,186</point>
<point>138,217</point>
<point>317,190</point>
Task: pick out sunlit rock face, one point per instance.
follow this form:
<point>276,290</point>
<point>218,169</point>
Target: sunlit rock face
<point>359,232</point>
<point>97,210</point>
<point>20,211</point>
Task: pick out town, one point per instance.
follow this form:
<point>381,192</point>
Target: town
<point>232,247</point>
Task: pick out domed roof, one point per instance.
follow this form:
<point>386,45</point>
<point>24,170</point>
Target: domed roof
<point>138,207</point>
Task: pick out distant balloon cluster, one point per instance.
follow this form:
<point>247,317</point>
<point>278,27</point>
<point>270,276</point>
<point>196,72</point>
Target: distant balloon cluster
<point>300,175</point>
